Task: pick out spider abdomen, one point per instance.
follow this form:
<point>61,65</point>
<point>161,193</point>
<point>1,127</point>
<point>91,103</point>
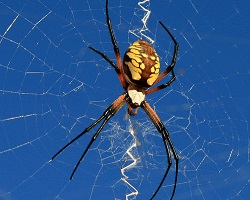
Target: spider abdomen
<point>141,64</point>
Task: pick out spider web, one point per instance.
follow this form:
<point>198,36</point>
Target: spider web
<point>53,86</point>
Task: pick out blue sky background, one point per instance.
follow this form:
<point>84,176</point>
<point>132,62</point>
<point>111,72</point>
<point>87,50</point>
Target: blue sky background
<point>52,86</point>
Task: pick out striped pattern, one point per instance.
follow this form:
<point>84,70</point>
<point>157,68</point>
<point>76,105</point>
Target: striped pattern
<point>141,64</point>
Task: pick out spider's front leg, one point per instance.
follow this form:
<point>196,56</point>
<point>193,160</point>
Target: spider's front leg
<point>109,112</point>
<point>167,142</point>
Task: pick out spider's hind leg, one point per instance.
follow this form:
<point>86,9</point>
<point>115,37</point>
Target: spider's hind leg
<point>169,69</point>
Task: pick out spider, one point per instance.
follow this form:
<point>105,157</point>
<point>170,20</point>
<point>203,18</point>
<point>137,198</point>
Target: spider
<point>138,72</point>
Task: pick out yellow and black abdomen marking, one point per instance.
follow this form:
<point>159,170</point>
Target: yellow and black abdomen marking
<point>141,64</point>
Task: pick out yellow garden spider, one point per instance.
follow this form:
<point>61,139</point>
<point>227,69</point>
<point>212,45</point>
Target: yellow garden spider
<point>137,74</point>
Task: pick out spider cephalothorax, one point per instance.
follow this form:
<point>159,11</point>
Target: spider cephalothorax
<point>139,71</point>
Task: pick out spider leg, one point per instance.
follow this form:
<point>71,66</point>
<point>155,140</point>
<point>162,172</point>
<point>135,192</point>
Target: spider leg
<point>108,113</point>
<point>118,67</point>
<point>170,68</point>
<point>111,32</point>
<point>82,133</point>
<point>90,143</point>
<point>116,50</point>
<point>167,142</point>
<point>106,58</point>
